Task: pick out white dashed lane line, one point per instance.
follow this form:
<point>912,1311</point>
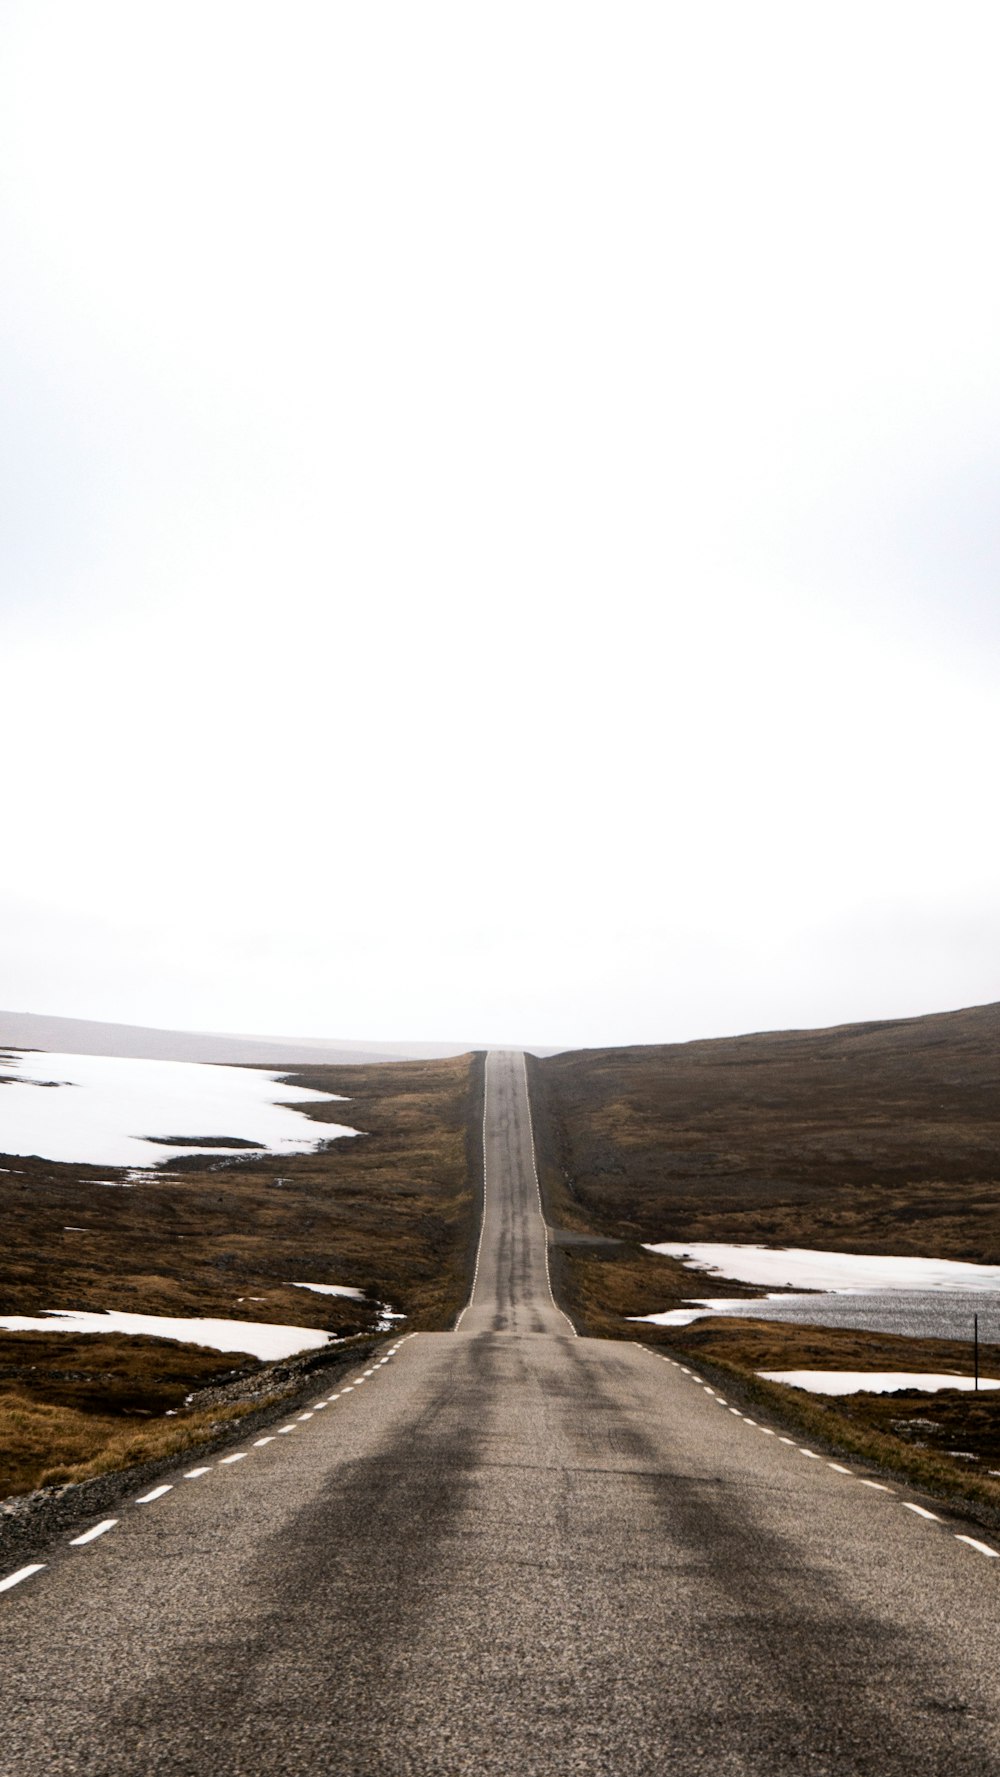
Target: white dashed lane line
<point>23,1573</point>
<point>839,1468</point>
<point>91,1536</point>
<point>981,1548</point>
<point>143,1499</point>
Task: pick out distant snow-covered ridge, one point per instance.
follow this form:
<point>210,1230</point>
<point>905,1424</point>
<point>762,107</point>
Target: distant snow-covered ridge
<point>104,1110</point>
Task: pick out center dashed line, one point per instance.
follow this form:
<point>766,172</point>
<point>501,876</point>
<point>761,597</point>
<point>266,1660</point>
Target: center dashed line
<point>238,1457</point>
<point>193,1473</point>
<point>921,1511</point>
<point>146,1499</point>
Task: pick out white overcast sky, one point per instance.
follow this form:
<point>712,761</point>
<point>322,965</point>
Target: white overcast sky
<point>501,509</point>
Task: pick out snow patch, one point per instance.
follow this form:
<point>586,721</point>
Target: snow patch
<point>332,1289</point>
<point>871,1381</point>
<point>259,1338</point>
<point>103,1110</point>
<point>803,1268</point>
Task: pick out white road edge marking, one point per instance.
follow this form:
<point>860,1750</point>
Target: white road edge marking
<point>879,1486</point>
<point>983,1548</point>
<point>839,1467</point>
<point>259,1443</point>
<point>240,1454</point>
<point>538,1192</point>
<point>90,1536</point>
<point>812,1453</point>
<point>23,1573</point>
<point>482,1223</point>
<point>193,1473</point>
<point>304,1416</point>
<point>146,1499</point>
<point>921,1511</point>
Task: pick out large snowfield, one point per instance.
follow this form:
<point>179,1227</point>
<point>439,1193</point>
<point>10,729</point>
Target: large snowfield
<point>912,1297</point>
<point>103,1110</point>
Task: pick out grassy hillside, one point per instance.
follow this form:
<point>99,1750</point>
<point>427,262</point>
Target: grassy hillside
<point>881,1138</point>
<point>876,1137</point>
<point>392,1212</point>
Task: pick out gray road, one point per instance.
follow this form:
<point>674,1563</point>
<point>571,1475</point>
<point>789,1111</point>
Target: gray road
<point>509,1550</point>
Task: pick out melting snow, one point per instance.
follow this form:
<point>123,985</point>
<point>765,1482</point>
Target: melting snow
<point>102,1110</point>
<point>332,1289</point>
<point>801,1268</point>
<point>257,1337</point>
<point>871,1381</point>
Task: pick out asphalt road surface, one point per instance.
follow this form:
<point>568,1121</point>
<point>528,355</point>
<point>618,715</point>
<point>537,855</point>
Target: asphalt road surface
<point>510,1550</point>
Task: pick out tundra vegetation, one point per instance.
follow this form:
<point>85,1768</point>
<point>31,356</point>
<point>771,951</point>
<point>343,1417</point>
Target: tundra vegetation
<point>877,1138</point>
<point>392,1212</point>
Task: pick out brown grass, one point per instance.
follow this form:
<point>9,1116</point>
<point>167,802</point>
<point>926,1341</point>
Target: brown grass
<point>876,1137</point>
<point>42,1445</point>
